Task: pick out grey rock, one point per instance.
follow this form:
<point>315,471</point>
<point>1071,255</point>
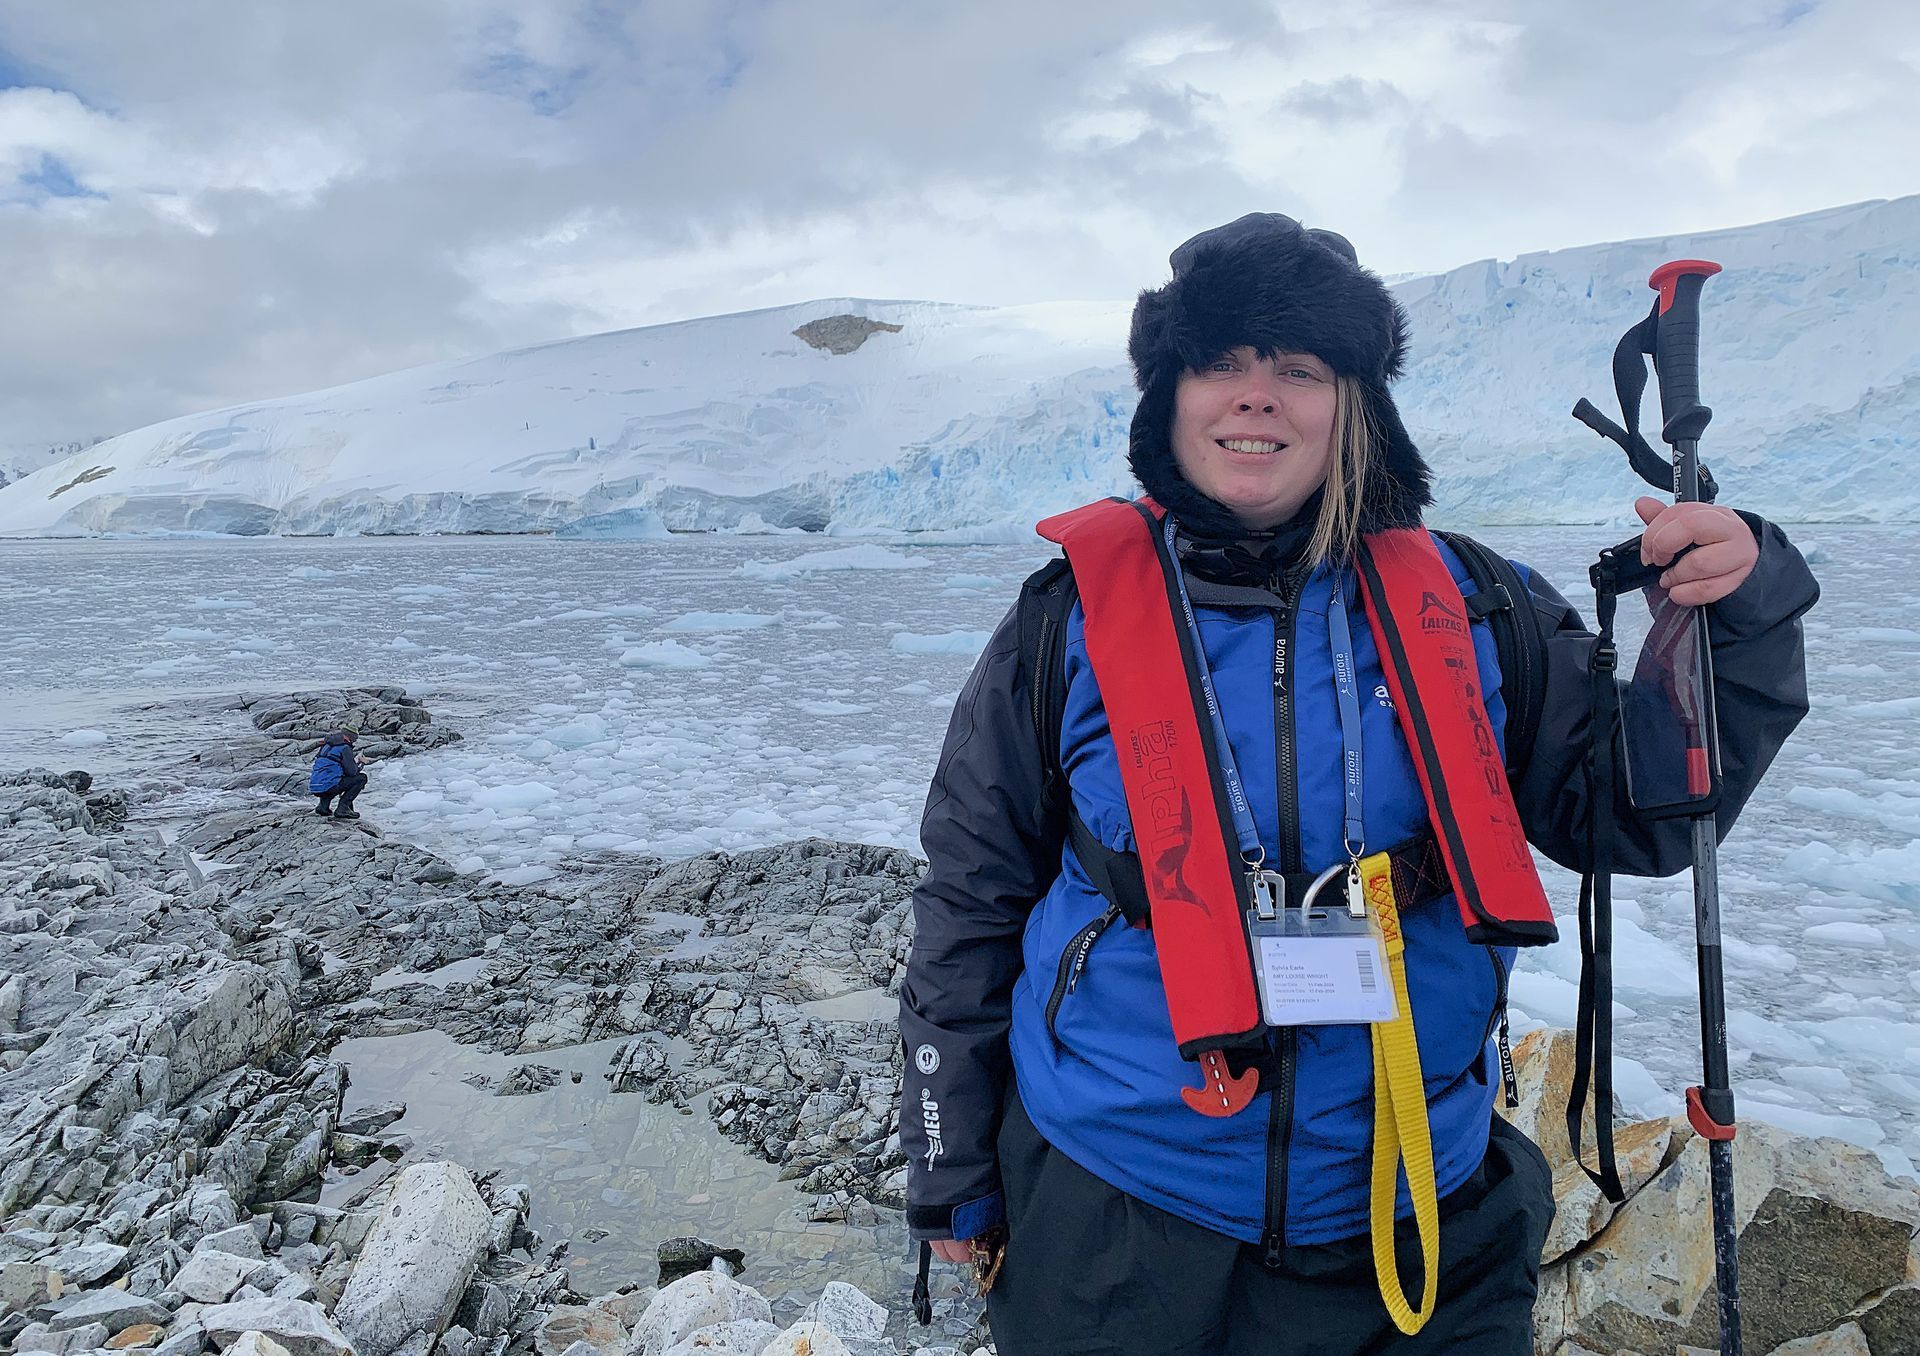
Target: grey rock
<point>188,1339</point>
<point>1845,1340</point>
<point>484,1309</point>
<point>683,1256</point>
<point>807,1338</point>
<point>303,1328</point>
<point>569,1325</point>
<point>60,1341</point>
<point>242,1240</point>
<point>690,1303</point>
<point>84,1264</point>
<point>117,1309</point>
<point>211,1277</point>
<point>371,1120</point>
<point>847,1313</point>
<point>743,1337</point>
<point>256,1344</point>
<point>417,1262</point>
<point>1891,1321</point>
<point>24,1286</point>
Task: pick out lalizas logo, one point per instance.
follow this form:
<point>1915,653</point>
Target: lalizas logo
<point>1437,615</point>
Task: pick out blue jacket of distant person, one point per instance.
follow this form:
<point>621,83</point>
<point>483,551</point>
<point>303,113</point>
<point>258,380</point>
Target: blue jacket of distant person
<point>333,764</point>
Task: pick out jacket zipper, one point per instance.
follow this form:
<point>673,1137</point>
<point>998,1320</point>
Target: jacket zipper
<point>1280,1110</point>
<point>1073,963</point>
<point>1509,1083</point>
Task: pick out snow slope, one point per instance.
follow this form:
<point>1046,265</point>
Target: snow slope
<point>970,417</point>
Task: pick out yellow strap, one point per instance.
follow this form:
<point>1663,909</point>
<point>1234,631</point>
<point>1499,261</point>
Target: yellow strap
<point>1399,1120</point>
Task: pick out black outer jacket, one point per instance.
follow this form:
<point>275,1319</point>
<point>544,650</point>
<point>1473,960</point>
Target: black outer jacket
<point>991,855</point>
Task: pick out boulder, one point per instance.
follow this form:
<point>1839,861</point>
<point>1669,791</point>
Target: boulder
<point>416,1263</point>
<point>25,1286</point>
<point>1892,1321</point>
<point>59,1341</point>
<point>211,1276</point>
<point>256,1344</point>
<point>571,1323</point>
<point>139,1335</point>
<point>693,1302</point>
<point>684,1256</point>
<point>239,1241</point>
<point>1845,1340</point>
<point>301,1327</point>
<point>84,1264</point>
<point>116,1308</point>
<point>742,1337</point>
<point>189,1339</point>
<point>848,1314</point>
<point>806,1338</point>
<point>1822,1230</point>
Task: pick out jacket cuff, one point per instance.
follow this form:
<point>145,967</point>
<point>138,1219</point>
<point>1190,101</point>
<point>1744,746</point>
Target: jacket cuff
<point>1780,588</point>
<point>969,1219</point>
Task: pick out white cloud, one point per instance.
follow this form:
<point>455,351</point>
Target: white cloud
<point>278,198</point>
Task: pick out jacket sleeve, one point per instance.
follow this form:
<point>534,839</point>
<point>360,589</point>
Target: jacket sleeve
<point>990,855</point>
<point>349,764</point>
<point>1760,695</point>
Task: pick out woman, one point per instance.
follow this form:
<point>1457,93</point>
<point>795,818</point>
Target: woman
<point>1166,1170</point>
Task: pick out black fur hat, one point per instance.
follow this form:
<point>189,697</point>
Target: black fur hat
<point>1268,282</point>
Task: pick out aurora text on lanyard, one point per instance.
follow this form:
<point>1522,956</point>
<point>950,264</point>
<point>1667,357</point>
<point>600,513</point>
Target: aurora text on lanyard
<point>1312,965</point>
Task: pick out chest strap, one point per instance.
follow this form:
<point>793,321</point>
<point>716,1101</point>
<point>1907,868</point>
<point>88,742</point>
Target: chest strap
<point>1419,873</point>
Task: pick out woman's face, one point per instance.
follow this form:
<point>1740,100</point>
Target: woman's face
<point>1256,435</point>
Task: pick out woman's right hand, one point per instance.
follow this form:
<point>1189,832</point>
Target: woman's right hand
<point>952,1250</point>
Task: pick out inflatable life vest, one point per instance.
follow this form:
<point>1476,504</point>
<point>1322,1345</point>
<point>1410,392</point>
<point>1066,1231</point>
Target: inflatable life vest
<point>1198,889</point>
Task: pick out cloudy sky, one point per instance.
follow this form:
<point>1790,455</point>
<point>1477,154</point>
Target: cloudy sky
<point>203,203</point>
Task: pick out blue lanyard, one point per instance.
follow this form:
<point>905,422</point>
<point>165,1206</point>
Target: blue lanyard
<point>1346,682</point>
<point>1251,852</point>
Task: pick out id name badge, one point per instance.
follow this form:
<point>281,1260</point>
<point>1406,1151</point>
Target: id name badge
<point>1320,967</point>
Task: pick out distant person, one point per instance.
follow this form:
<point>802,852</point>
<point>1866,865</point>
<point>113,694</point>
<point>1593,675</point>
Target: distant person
<point>336,773</point>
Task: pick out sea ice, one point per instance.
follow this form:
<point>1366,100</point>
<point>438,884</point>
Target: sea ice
<point>667,654</point>
<point>968,643</point>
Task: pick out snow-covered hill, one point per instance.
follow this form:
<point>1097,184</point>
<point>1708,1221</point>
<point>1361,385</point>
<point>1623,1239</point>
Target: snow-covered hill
<point>871,415</point>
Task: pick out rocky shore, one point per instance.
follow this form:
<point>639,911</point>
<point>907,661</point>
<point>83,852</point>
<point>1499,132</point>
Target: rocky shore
<point>173,991</point>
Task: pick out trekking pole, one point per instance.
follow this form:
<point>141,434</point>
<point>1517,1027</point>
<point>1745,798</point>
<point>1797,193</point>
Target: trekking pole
<point>1676,362</point>
<point>1670,334</point>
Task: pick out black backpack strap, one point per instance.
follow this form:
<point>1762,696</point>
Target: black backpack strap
<point>1046,600</point>
<point>1501,597</point>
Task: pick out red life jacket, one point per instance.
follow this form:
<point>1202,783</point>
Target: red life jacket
<point>1143,658</point>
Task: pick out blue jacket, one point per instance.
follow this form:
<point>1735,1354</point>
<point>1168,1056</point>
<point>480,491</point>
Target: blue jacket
<point>1101,1079</point>
<point>333,764</point>
<point>1004,899</point>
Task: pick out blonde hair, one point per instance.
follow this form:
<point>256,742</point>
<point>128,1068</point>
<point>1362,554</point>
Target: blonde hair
<point>1355,443</point>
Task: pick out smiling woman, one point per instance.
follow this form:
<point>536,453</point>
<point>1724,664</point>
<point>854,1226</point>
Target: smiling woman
<point>1256,432</point>
<point>1263,685</point>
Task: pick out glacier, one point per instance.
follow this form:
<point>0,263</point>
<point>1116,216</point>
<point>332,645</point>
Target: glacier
<point>861,417</point>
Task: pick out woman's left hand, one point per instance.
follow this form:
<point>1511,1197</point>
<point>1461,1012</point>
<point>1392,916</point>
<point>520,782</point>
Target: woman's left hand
<point>1724,554</point>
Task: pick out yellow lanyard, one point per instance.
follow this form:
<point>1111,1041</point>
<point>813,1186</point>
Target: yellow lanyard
<point>1400,1130</point>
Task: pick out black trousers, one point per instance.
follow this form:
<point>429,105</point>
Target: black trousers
<point>350,786</point>
<point>1090,1270</point>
